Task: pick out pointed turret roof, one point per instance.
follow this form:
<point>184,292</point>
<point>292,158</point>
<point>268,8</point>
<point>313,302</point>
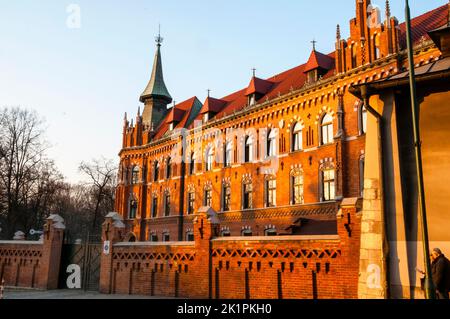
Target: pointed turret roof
<point>318,60</point>
<point>156,86</point>
<point>258,85</point>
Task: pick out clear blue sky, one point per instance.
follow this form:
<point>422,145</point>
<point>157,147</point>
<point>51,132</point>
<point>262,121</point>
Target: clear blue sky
<point>83,80</point>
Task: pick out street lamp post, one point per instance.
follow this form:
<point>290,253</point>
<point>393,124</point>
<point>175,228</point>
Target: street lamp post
<point>430,292</point>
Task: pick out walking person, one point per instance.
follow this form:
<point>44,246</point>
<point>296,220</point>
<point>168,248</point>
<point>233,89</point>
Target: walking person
<point>440,269</point>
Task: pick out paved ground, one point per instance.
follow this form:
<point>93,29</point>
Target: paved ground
<point>64,294</point>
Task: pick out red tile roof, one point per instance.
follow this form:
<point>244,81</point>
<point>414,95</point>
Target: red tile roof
<point>258,85</point>
<point>318,60</point>
<point>181,113</point>
<point>212,105</point>
<point>422,24</point>
<point>295,78</point>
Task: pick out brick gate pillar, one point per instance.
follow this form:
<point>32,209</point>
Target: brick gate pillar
<point>51,253</point>
<point>113,230</point>
<point>206,227</point>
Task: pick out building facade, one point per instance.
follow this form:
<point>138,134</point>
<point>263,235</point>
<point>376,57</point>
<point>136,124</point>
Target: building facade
<point>277,157</point>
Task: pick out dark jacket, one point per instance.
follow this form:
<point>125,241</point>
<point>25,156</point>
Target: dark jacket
<point>441,273</point>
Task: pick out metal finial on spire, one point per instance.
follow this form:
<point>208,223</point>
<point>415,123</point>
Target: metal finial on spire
<point>125,117</point>
<point>314,44</point>
<point>139,111</point>
<point>209,92</point>
<point>338,32</point>
<point>159,39</point>
<point>388,10</point>
<point>254,72</point>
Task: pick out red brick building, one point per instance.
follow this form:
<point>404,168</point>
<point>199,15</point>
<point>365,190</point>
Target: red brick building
<point>275,158</point>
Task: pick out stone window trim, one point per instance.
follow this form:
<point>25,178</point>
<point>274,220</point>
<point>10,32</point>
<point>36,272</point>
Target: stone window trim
<point>226,197</point>
<point>294,174</point>
<point>327,181</point>
<point>296,140</point>
<point>270,191</point>
<point>326,125</point>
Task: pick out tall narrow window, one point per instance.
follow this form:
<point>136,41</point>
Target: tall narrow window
<point>135,175</point>
<point>228,154</point>
<point>271,192</point>
<point>207,201</point>
<point>169,168</point>
<point>133,209</point>
<point>226,197</point>
<point>248,149</point>
<point>155,206</point>
<point>272,143</point>
<point>328,185</point>
<point>156,171</point>
<point>247,196</point>
<point>297,138</point>
<point>327,129</point>
<point>209,159</point>
<point>192,164</point>
<point>191,202</point>
<point>297,188</point>
<point>167,204</point>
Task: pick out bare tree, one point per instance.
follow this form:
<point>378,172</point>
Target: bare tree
<point>102,183</point>
<point>22,157</point>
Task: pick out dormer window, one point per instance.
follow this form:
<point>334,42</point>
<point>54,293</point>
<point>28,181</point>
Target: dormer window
<point>312,76</point>
<point>205,118</point>
<point>252,99</point>
<point>171,126</point>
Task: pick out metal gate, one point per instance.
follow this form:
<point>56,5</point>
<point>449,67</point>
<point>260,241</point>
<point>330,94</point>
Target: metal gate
<point>83,260</point>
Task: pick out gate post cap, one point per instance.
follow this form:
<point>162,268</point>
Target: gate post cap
<point>56,218</point>
<point>19,235</point>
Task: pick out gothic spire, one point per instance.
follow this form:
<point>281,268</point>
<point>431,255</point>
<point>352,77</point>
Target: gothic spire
<point>156,87</point>
<point>338,32</point>
<point>388,12</point>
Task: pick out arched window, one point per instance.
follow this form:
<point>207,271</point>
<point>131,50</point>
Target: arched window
<point>156,171</point>
<point>247,198</point>
<point>135,175</point>
<point>326,129</point>
<point>207,200</point>
<point>133,209</point>
<point>154,206</point>
<point>226,197</point>
<point>228,153</point>
<point>297,137</point>
<point>272,143</point>
<point>297,184</point>
<point>209,159</point>
<point>191,202</point>
<point>167,204</point>
<point>271,191</point>
<point>328,185</point>
<point>169,168</point>
<point>192,164</point>
<point>270,231</point>
<point>166,237</point>
<point>153,237</point>
<point>248,151</point>
<point>190,236</point>
<point>247,232</point>
<point>225,233</point>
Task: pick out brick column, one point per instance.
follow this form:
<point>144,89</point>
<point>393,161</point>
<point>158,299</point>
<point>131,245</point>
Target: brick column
<point>206,227</point>
<point>113,231</point>
<point>51,253</point>
<point>349,230</point>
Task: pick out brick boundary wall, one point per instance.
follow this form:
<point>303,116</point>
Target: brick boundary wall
<point>287,267</point>
<point>33,264</point>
